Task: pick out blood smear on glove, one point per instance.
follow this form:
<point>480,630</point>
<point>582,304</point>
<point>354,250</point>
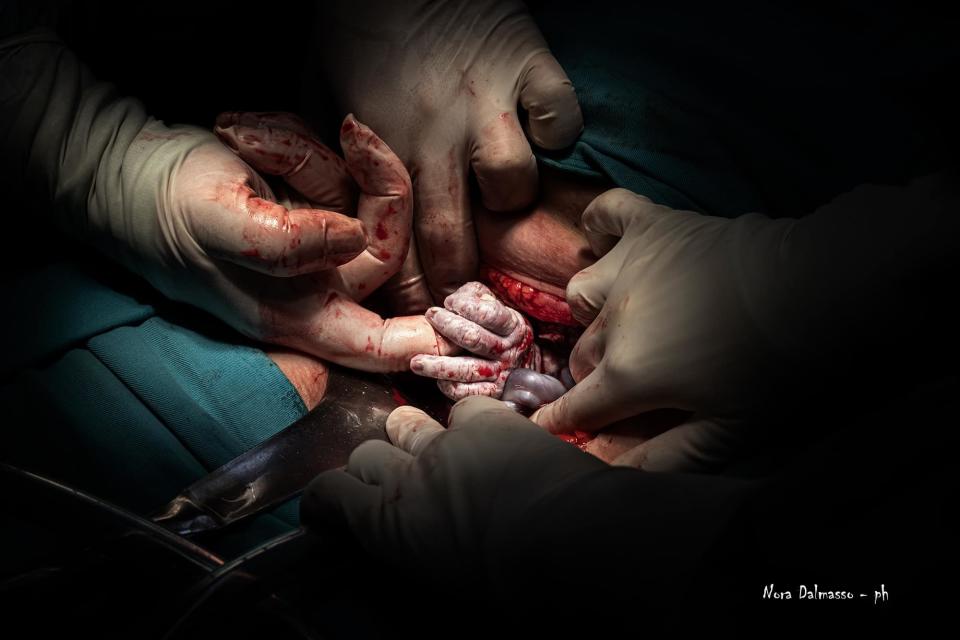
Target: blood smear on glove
<point>579,439</point>
<point>537,304</point>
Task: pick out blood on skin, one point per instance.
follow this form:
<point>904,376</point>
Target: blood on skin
<point>381,231</point>
<point>485,371</point>
<point>539,304</point>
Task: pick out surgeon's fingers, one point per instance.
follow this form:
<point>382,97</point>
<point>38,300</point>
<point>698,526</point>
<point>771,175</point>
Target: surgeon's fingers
<point>596,401</point>
<point>554,118</point>
<point>589,288</point>
<point>260,234</point>
<point>385,208</point>
<point>700,445</point>
<point>607,218</point>
<point>481,412</point>
<point>446,239</point>
<point>590,348</point>
<point>474,301</point>
<point>407,293</point>
<point>374,461</point>
<point>411,429</point>
<point>505,167</point>
<point>279,145</point>
<point>336,500</point>
<point>460,390</point>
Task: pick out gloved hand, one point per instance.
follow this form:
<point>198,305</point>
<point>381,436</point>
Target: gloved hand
<point>473,318</point>
<point>727,318</point>
<point>493,499</point>
<point>228,240</point>
<point>177,207</point>
<point>440,81</point>
<point>442,500</point>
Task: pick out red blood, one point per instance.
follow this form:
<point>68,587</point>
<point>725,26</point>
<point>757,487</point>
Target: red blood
<point>362,286</point>
<point>485,371</point>
<point>539,304</point>
<point>579,439</point>
<point>384,254</point>
<point>398,397</point>
<point>250,253</point>
<point>348,126</point>
<point>382,231</point>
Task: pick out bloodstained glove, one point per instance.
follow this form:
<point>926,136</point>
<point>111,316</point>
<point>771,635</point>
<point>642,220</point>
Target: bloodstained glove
<point>175,206</point>
<point>441,81</point>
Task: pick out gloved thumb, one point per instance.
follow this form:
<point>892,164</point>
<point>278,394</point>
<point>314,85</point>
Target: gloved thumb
<point>548,96</point>
<point>606,222</point>
<point>230,213</point>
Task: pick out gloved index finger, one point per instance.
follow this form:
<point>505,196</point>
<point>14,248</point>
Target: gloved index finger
<point>412,429</point>
<point>503,162</point>
<point>554,117</point>
<point>442,219</point>
<point>607,218</point>
<point>479,412</point>
<point>592,404</point>
<point>336,500</point>
<point>374,461</point>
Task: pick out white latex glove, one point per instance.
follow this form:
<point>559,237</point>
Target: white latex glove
<point>442,498</point>
<point>728,318</point>
<point>174,205</point>
<point>495,499</point>
<point>440,81</point>
<point>500,337</point>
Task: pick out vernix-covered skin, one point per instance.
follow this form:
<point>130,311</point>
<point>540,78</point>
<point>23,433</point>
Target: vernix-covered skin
<point>291,276</point>
<point>441,81</point>
<point>500,338</point>
<point>319,312</point>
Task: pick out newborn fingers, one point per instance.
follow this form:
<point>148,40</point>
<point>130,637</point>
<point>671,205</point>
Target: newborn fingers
<point>461,390</point>
<point>476,302</point>
<point>476,339</point>
<point>458,369</point>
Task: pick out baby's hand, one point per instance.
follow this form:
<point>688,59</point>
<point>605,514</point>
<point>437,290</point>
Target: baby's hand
<point>480,323</point>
